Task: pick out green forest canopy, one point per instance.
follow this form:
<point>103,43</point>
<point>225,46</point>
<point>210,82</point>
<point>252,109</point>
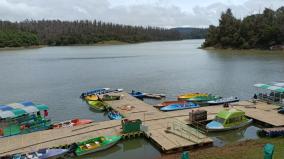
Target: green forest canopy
<point>260,31</point>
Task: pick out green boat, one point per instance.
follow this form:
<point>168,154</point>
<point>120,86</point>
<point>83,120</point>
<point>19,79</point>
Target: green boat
<point>108,97</point>
<point>97,105</point>
<point>96,144</point>
<point>228,120</point>
<point>203,98</point>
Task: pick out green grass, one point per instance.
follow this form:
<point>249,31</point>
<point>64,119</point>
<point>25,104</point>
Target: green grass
<point>250,149</point>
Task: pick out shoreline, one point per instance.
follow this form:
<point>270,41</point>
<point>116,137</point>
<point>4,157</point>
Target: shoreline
<point>231,49</point>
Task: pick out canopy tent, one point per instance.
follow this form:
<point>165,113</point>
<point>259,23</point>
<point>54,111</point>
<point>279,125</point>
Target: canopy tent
<point>279,84</point>
<point>17,109</point>
<point>270,87</point>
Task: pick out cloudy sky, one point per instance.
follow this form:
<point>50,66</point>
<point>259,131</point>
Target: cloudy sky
<point>163,13</point>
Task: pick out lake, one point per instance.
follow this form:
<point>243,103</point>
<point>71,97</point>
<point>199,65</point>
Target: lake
<point>56,76</point>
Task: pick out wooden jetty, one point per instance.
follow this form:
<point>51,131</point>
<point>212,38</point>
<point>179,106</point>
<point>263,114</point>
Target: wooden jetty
<point>167,130</point>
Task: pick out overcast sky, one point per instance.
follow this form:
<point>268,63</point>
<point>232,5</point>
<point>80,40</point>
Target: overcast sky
<point>163,13</point>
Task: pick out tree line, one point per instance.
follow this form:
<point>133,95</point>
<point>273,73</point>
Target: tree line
<point>57,32</point>
<point>261,31</point>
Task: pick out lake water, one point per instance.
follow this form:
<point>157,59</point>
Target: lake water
<point>56,76</point>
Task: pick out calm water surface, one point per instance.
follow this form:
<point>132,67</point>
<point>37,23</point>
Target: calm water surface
<point>56,76</point>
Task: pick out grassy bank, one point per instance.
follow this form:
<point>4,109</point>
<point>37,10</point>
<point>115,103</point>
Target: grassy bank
<point>250,149</point>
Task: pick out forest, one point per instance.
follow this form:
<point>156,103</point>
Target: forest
<point>56,33</point>
<point>258,31</point>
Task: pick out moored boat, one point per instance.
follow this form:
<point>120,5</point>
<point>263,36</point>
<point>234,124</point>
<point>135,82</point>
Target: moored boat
<point>136,94</point>
<point>228,120</point>
<point>22,118</point>
<point>191,95</point>
<point>97,105</point>
<point>203,98</point>
<point>114,115</point>
<point>42,154</point>
<point>96,144</point>
<point>94,92</point>
<point>281,111</point>
<point>71,123</point>
<point>166,103</point>
<point>91,97</point>
<point>187,105</point>
<point>223,100</point>
<point>108,97</point>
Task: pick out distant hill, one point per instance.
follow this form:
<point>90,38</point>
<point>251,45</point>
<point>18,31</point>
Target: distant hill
<point>191,33</point>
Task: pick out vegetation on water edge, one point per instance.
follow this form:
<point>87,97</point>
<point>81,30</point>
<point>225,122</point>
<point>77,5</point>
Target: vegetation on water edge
<point>56,33</point>
<point>260,31</point>
<point>250,149</point>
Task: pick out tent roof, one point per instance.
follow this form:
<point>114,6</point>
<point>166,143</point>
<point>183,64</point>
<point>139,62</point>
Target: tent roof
<point>17,109</point>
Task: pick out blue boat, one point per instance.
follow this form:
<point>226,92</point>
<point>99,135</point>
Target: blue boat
<point>187,105</point>
<point>139,95</point>
<point>281,111</point>
<point>114,115</point>
<point>94,91</point>
<point>42,154</point>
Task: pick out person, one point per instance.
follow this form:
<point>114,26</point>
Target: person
<point>255,96</point>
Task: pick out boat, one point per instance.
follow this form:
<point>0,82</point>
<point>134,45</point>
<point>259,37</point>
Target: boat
<point>187,105</point>
<point>94,92</point>
<point>91,97</point>
<point>281,111</point>
<point>190,95</point>
<point>42,154</point>
<point>114,115</point>
<point>228,119</point>
<point>71,123</point>
<point>136,94</point>
<point>96,144</point>
<point>203,98</point>
<point>97,105</point>
<point>154,95</point>
<point>166,103</point>
<point>223,100</point>
<point>108,97</point>
<point>23,117</point>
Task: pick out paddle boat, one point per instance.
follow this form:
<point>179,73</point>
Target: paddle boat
<point>94,92</point>
<point>166,103</point>
<point>22,118</point>
<point>136,94</point>
<point>281,111</point>
<point>97,105</point>
<point>96,144</point>
<point>228,119</point>
<point>203,98</point>
<point>190,95</point>
<point>42,154</point>
<point>71,123</point>
<point>223,100</point>
<point>114,115</point>
<point>91,97</point>
<point>187,105</point>
<point>108,97</point>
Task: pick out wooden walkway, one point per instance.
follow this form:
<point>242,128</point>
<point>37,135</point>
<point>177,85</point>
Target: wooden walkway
<point>158,127</point>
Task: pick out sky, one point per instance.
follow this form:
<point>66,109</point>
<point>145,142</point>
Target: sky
<point>161,13</point>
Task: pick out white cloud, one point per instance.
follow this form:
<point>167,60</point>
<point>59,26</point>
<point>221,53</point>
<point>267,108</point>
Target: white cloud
<point>133,12</point>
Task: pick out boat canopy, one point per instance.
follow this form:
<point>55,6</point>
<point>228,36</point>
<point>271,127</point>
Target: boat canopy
<point>279,84</point>
<point>17,109</point>
<point>226,114</point>
<point>276,87</point>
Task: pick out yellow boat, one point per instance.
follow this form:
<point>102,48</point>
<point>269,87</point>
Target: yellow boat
<point>91,97</point>
<point>191,95</point>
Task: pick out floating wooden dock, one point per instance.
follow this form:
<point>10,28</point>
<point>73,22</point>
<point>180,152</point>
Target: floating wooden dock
<point>167,130</point>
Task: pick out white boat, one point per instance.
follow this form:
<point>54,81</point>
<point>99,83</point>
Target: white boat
<point>223,100</point>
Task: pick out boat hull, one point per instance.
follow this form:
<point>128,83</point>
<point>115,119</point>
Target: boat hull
<point>166,103</point>
<point>222,101</point>
<point>97,105</point>
<point>215,129</point>
<point>173,107</point>
<point>114,116</point>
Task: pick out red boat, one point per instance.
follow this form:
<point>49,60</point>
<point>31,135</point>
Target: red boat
<point>71,123</point>
<point>166,103</point>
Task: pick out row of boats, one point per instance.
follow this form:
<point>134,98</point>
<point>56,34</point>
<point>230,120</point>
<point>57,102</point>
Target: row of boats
<point>194,100</point>
<point>78,149</point>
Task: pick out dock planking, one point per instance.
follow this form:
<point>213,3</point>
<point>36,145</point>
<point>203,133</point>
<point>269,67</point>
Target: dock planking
<point>157,123</point>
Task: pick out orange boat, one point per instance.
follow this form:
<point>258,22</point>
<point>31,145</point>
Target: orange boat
<point>166,103</point>
<point>71,123</point>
